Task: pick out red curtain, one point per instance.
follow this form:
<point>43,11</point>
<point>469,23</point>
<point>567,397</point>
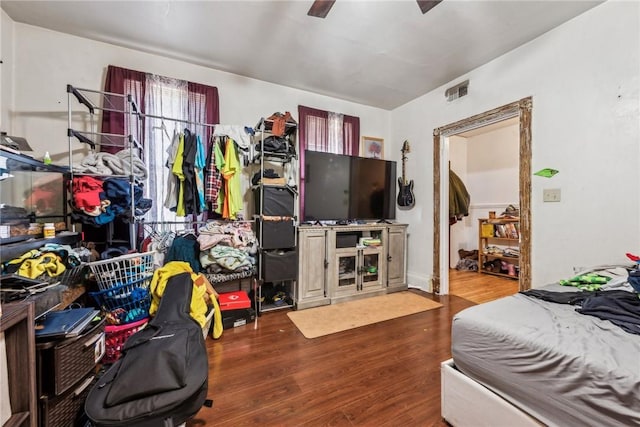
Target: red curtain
<point>122,81</point>
<point>204,108</point>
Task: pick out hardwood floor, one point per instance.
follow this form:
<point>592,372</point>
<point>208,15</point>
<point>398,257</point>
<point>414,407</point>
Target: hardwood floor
<point>385,374</point>
<point>480,288</point>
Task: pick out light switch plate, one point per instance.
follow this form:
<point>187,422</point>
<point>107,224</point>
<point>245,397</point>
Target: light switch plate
<point>551,195</point>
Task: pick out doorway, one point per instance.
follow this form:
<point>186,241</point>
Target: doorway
<point>521,110</point>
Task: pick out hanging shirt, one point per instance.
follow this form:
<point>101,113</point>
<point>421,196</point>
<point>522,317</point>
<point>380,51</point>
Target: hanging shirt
<point>231,173</point>
<point>219,159</point>
<point>177,171</point>
<point>200,163</point>
<point>171,199</point>
<point>191,204</point>
<point>213,177</point>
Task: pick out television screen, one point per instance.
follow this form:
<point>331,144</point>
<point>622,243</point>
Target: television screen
<point>339,187</point>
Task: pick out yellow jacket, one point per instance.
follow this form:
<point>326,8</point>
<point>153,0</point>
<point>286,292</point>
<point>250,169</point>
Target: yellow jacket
<point>198,308</point>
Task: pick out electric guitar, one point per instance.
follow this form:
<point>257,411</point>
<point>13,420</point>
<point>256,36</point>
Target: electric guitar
<point>405,194</point>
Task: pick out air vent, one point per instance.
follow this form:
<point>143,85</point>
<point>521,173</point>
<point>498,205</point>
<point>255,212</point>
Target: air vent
<point>457,91</point>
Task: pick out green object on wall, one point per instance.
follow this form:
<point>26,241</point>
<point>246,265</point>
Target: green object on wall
<point>546,172</point>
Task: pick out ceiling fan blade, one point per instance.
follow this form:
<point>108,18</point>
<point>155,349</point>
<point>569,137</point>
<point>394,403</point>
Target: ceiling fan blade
<point>427,5</point>
<point>320,8</point>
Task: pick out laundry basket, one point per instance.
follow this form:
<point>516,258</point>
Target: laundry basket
<point>124,287</point>
<point>123,269</point>
<point>116,336</point>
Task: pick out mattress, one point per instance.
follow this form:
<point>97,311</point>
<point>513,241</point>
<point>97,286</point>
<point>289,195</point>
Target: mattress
<point>562,367</point>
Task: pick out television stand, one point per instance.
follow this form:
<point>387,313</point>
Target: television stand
<point>335,267</point>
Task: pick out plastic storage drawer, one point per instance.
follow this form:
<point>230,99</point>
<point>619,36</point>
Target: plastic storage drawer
<point>279,265</point>
<point>68,408</point>
<point>276,234</point>
<point>62,363</point>
<point>278,200</point>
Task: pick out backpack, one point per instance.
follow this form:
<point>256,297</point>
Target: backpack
<point>162,377</point>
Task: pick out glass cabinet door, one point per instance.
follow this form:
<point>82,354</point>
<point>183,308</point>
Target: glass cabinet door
<point>370,270</point>
<point>347,272</point>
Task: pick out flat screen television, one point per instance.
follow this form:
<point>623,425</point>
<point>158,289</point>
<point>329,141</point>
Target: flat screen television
<point>345,188</point>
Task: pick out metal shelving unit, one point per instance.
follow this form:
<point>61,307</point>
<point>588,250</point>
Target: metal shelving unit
<point>107,102</point>
<point>277,254</point>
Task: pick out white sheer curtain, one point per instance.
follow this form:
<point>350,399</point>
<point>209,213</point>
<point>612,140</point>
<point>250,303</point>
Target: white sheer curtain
<point>334,123</point>
<point>168,98</point>
<point>316,133</point>
<point>325,134</point>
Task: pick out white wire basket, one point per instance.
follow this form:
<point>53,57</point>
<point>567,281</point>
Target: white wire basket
<point>132,269</point>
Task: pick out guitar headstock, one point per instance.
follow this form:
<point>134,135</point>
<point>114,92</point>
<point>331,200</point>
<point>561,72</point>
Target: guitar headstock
<point>405,147</point>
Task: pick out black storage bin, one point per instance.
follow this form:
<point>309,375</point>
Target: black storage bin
<point>279,265</point>
<point>278,200</point>
<point>276,234</point>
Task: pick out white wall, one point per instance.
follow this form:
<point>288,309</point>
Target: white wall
<point>46,61</point>
<point>492,166</point>
<point>6,70</point>
<point>584,80</point>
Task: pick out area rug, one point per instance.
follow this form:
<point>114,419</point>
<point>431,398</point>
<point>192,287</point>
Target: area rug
<point>329,319</point>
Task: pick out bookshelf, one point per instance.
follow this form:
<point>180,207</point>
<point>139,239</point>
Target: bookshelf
<point>499,247</point>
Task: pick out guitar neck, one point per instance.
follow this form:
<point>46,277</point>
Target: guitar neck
<point>404,161</point>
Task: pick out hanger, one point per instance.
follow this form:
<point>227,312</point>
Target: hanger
<point>163,126</point>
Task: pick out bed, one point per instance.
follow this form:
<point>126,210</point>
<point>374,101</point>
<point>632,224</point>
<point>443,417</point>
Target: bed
<point>521,361</point>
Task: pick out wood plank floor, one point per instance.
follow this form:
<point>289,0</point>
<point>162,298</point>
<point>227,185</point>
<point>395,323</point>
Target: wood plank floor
<point>386,374</point>
<point>480,288</point>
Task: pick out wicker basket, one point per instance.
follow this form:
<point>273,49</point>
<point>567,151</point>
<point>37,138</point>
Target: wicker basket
<point>62,363</point>
<point>116,336</point>
<point>66,409</point>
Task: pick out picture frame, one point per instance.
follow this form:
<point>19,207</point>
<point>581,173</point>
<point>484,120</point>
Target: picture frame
<point>372,147</point>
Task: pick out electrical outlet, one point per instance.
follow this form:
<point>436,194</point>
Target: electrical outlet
<point>551,195</point>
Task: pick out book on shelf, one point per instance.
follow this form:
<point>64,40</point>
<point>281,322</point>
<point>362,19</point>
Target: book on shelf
<point>487,230</point>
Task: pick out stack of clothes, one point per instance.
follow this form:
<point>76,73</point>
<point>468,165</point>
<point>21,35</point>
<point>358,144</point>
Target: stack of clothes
<point>98,202</point>
<point>227,247</point>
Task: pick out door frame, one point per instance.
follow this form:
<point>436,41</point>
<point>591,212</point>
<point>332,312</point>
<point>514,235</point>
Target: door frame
<point>521,109</point>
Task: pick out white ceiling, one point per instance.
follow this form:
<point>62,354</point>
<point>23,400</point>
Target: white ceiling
<point>378,53</point>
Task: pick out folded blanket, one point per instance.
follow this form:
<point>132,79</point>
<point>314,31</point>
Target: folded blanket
<point>112,164</point>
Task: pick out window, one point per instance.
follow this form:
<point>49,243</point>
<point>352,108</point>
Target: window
<point>327,131</point>
<point>176,100</point>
